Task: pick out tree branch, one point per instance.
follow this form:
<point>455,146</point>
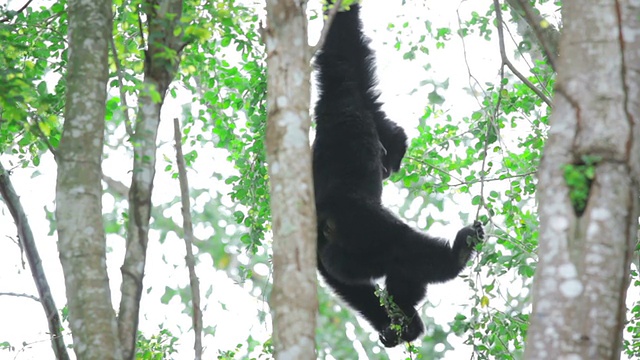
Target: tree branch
<point>505,59</point>
<point>115,185</point>
<point>483,168</point>
<point>431,166</point>
<point>188,240</point>
<point>7,18</point>
<point>25,235</point>
<point>34,298</point>
<point>547,36</point>
<point>327,26</point>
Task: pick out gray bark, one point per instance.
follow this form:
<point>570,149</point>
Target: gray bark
<point>583,274</point>
<point>294,300</point>
<point>81,237</point>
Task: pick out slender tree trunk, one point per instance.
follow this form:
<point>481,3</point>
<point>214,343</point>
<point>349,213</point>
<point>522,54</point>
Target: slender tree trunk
<point>294,300</point>
<point>81,237</point>
<point>162,57</point>
<point>25,236</point>
<point>187,227</point>
<point>583,274</point>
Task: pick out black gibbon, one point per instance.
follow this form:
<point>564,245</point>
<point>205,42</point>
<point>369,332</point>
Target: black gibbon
<point>355,149</point>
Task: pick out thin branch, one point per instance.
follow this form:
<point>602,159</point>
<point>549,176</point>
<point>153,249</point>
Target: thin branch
<point>483,171</point>
<point>420,161</point>
<point>123,94</point>
<point>34,298</point>
<point>116,185</point>
<point>327,26</point>
<point>486,144</point>
<point>468,183</point>
<point>466,62</point>
<point>25,235</point>
<point>542,81</point>
<point>7,18</point>
<point>500,178</point>
<point>188,240</point>
<point>19,245</point>
<point>164,18</point>
<point>143,44</point>
<point>545,36</point>
<point>505,59</point>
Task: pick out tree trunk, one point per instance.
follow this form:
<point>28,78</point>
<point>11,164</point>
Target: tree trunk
<point>162,58</point>
<point>81,237</point>
<point>294,301</point>
<point>583,273</point>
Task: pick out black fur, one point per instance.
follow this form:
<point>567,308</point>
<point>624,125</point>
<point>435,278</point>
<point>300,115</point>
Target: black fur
<point>355,149</point>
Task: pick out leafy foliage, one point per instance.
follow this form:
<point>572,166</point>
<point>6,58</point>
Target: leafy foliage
<point>266,353</point>
<point>631,343</point>
<point>233,100</point>
<point>579,178</point>
<point>159,347</point>
<point>31,86</point>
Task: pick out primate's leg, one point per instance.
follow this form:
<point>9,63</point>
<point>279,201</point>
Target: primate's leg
<point>365,240</point>
<point>404,295</point>
<point>361,297</point>
<point>366,228</point>
<point>407,290</point>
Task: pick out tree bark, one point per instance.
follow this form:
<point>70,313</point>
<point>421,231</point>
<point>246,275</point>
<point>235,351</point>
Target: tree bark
<point>81,237</point>
<point>294,300</point>
<point>582,277</point>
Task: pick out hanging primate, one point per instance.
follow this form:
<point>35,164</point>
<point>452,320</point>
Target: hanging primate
<point>355,149</point>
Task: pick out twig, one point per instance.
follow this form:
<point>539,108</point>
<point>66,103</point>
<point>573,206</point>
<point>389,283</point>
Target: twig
<point>19,245</point>
<point>34,298</point>
<point>419,161</point>
<point>327,26</point>
<point>188,240</point>
<point>493,118</point>
<point>493,179</point>
<point>7,18</point>
<point>466,62</point>
<point>542,81</point>
<point>143,44</point>
<point>12,201</point>
<point>505,60</point>
<point>486,144</point>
